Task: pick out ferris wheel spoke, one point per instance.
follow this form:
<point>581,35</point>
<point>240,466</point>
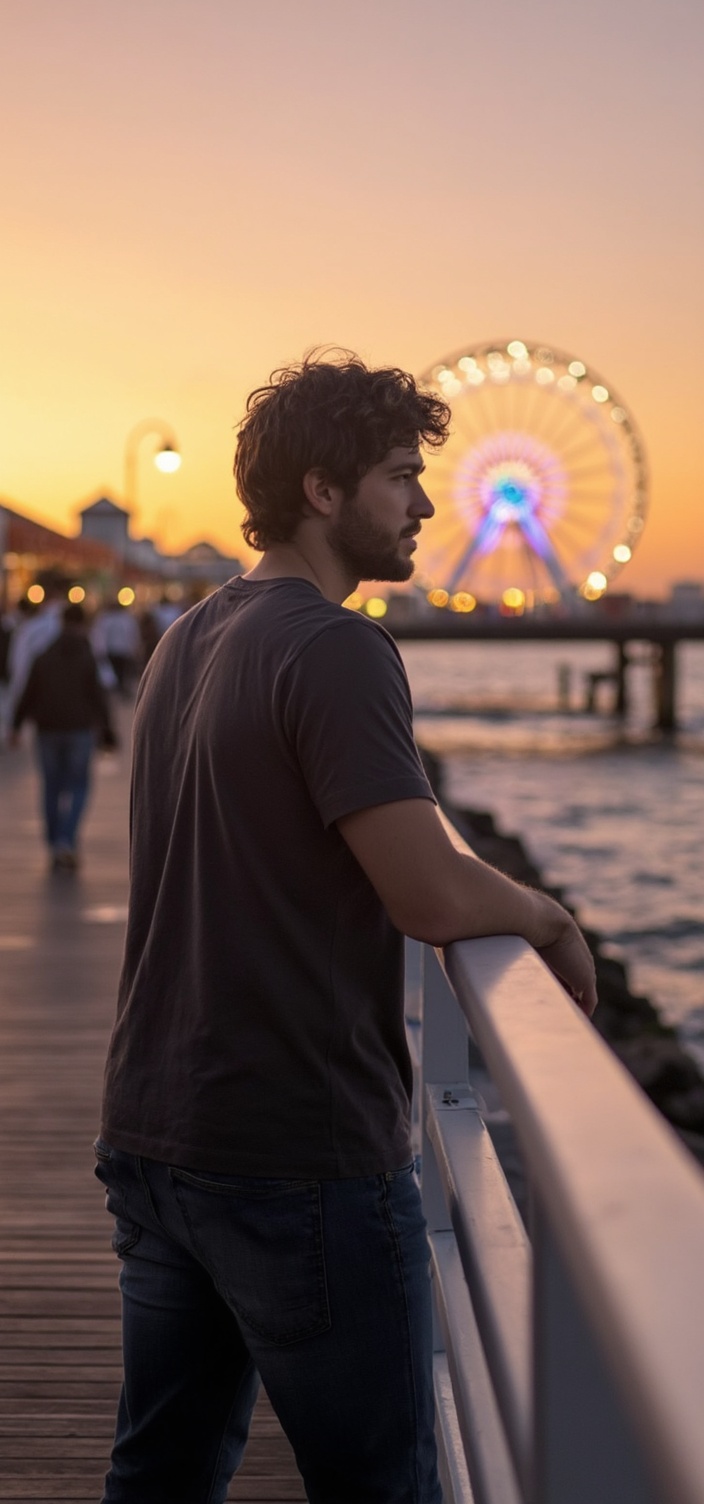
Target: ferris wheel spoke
<point>591,442</point>
<point>567,420</point>
<point>473,432</point>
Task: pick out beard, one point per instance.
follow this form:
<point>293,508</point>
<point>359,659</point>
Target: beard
<point>366,549</point>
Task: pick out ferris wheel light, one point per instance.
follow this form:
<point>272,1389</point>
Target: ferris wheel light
<point>600,394</point>
<point>517,349</point>
<point>475,377</point>
<point>618,415</point>
<point>596,580</point>
<point>622,553</point>
<point>544,375</point>
<point>577,368</point>
<point>567,383</point>
<point>467,363</point>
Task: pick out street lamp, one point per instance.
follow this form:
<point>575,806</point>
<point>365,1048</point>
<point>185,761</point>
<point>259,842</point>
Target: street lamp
<point>166,459</point>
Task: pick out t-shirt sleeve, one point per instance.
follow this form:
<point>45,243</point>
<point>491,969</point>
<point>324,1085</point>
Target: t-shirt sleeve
<point>347,715</point>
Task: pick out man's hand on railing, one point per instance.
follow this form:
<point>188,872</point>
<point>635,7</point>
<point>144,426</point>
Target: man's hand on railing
<point>570,960</point>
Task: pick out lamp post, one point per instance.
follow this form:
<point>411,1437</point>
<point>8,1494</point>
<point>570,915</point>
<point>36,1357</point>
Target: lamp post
<point>167,457</point>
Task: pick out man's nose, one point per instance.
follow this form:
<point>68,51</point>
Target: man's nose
<point>422,505</point>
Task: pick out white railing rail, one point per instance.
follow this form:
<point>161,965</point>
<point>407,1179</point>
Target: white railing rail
<point>570,1368</point>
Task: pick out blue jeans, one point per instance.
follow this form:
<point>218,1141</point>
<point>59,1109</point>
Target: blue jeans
<point>64,760</point>
<point>320,1287</point>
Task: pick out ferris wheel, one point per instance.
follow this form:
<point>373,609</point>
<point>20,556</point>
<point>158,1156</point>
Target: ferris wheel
<point>541,489</point>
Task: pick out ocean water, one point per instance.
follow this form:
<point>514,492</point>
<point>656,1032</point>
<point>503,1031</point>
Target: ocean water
<point>612,812</point>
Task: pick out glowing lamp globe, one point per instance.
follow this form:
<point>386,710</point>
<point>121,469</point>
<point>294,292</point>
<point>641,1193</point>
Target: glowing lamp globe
<point>167,460</point>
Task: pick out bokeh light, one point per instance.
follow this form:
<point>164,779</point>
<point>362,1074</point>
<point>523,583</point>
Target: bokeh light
<point>167,460</point>
<point>462,601</point>
<point>376,606</point>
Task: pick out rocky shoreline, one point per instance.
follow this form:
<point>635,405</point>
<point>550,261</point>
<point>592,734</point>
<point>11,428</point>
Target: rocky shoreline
<point>631,1025</point>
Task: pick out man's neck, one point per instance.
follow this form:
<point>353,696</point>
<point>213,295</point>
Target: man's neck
<point>302,560</point>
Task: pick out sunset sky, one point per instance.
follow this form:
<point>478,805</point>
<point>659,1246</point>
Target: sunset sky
<point>194,191</point>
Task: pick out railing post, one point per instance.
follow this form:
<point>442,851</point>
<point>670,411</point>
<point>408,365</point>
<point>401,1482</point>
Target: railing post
<point>584,1448</point>
<point>443,1064</point>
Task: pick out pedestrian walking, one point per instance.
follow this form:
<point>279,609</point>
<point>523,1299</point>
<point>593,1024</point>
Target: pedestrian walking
<point>255,1140</point>
<point>65,699</point>
<point>116,638</point>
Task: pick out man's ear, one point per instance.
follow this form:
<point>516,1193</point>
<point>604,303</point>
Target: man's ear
<point>319,492</point>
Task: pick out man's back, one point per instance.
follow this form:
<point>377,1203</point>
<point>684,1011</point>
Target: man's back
<point>260,1027</point>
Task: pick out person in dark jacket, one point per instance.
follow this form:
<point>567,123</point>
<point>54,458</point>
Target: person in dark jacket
<point>64,697</point>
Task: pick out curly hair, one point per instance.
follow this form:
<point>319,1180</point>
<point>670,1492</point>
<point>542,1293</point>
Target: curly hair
<point>335,415</point>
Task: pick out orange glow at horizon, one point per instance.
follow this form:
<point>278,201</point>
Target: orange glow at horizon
<point>198,193</point>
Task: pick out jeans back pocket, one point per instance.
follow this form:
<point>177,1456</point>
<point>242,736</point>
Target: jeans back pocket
<point>261,1242</point>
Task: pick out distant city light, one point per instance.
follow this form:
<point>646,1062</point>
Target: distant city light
<point>35,594</point>
<point>600,394</point>
<point>126,595</point>
<point>622,553</point>
<point>167,460</point>
<point>376,606</point>
<point>594,585</point>
<point>438,598</point>
<point>462,601</point>
<point>76,594</point>
<point>514,598</point>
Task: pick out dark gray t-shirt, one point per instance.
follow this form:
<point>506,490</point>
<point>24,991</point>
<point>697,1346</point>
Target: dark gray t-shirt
<point>260,1026</point>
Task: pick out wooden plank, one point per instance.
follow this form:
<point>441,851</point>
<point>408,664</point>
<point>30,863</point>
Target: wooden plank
<point>59,1301</point>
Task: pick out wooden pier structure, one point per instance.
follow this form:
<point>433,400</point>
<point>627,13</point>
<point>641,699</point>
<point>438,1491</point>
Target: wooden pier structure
<point>60,945</point>
<point>661,638</point>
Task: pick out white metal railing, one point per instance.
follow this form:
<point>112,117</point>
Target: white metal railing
<point>569,1367</point>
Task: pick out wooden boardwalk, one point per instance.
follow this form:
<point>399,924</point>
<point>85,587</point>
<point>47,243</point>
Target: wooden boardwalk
<point>60,943</point>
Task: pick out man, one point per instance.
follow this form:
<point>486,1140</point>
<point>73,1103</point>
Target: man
<point>64,697</point>
<point>255,1138</point>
